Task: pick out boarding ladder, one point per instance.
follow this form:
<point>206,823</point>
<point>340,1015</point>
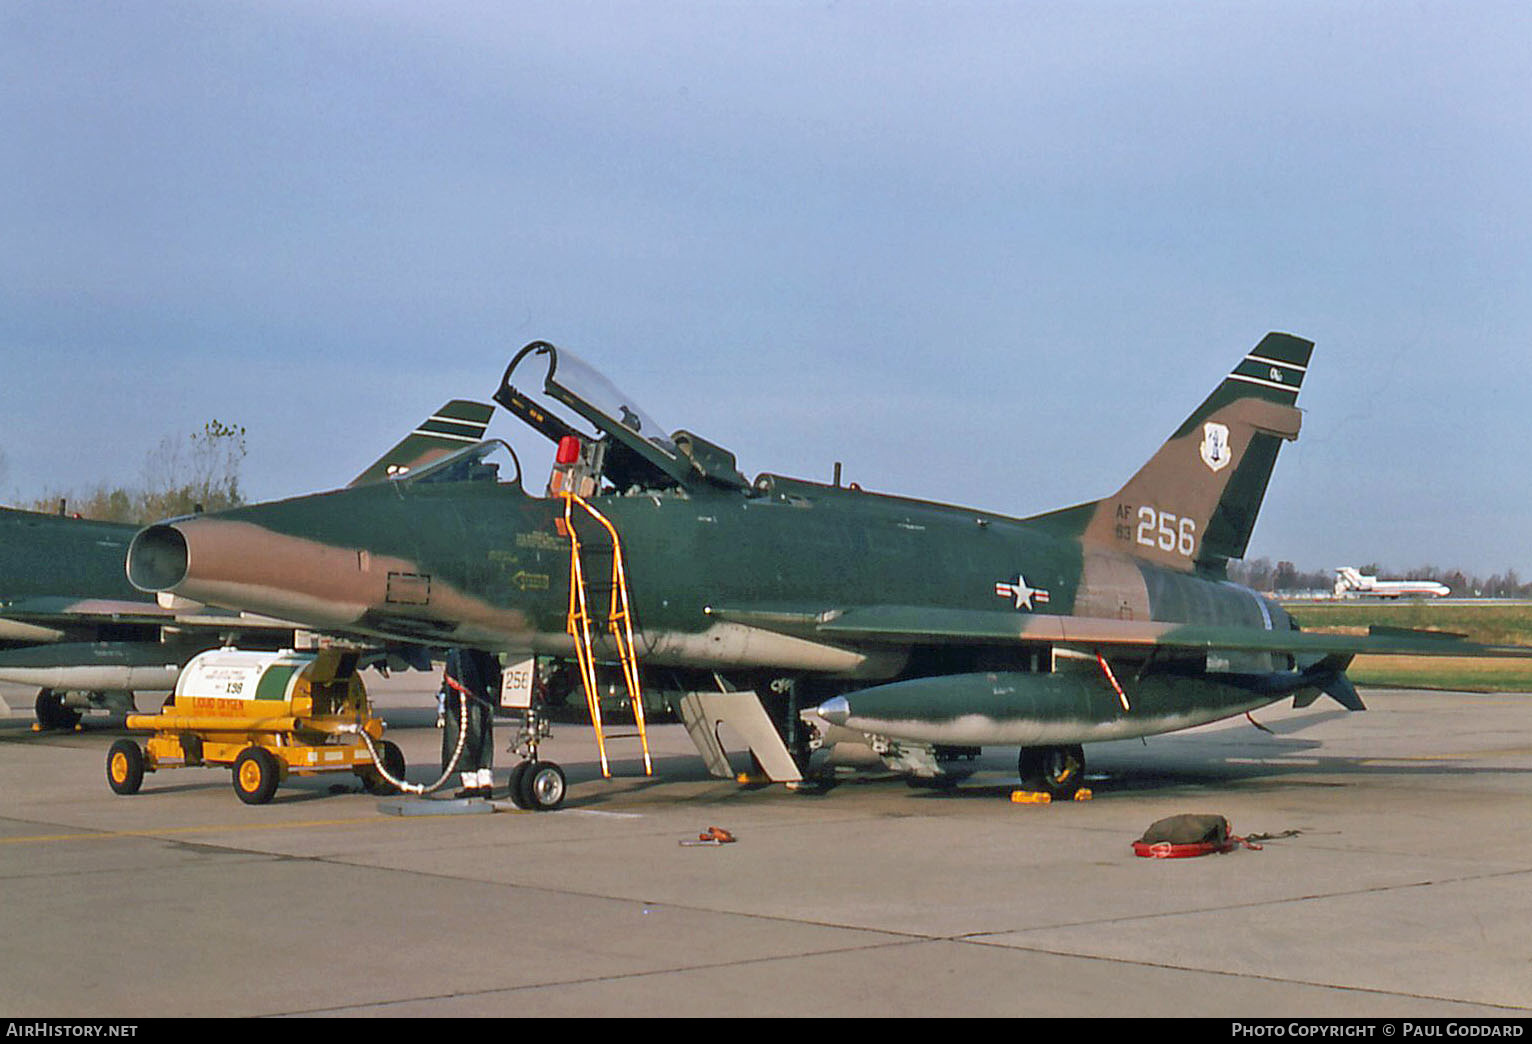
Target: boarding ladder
<point>619,622</point>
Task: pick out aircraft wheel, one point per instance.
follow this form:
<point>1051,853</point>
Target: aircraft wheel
<point>51,712</point>
<point>518,774</point>
<point>125,767</point>
<point>1058,771</point>
<point>392,760</point>
<point>256,775</point>
<point>542,786</point>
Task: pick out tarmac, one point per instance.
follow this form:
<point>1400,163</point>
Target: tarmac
<point>1405,892</point>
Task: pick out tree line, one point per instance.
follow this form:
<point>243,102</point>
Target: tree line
<point>180,476</point>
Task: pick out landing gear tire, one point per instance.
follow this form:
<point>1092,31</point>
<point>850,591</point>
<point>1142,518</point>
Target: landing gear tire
<point>392,761</point>
<point>1056,771</point>
<point>51,712</point>
<point>256,775</point>
<point>125,767</point>
<point>518,774</point>
<point>542,786</point>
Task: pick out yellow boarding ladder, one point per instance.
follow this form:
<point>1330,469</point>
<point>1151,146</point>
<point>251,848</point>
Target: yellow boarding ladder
<point>619,621</point>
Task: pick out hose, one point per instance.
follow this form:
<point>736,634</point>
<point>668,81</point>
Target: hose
<point>462,739</point>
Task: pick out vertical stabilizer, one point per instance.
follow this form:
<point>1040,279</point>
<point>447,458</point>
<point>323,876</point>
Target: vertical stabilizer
<point>1193,505</point>
<point>457,424</point>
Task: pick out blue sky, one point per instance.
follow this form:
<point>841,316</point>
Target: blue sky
<point>983,253</point>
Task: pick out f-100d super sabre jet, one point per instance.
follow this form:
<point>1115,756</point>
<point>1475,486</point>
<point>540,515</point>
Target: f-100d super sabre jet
<point>788,608</point>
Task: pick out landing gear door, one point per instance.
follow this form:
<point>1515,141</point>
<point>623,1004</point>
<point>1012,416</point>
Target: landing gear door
<point>516,681</point>
<point>704,712</point>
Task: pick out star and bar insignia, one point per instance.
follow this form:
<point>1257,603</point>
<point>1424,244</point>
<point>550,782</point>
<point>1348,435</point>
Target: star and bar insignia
<point>1025,596</point>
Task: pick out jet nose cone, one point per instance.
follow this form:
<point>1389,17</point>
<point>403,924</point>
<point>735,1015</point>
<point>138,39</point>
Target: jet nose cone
<point>241,560</point>
<point>835,710</point>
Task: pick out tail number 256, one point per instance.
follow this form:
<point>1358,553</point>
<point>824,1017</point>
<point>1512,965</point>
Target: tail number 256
<point>1167,531</point>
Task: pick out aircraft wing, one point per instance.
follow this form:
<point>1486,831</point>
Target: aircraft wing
<point>907,625</point>
<point>97,651</point>
<point>51,610</point>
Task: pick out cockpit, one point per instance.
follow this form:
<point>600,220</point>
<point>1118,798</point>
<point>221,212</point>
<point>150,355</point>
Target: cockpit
<point>489,461</point>
<point>627,452</point>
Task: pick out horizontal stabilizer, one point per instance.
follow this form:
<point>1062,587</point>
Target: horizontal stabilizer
<point>1383,631</point>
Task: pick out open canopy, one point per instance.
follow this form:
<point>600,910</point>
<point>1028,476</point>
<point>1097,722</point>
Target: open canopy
<point>629,448</point>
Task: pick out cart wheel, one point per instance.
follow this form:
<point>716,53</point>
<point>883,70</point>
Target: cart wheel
<point>392,761</point>
<point>542,786</point>
<point>125,767</point>
<point>255,775</point>
<point>518,774</point>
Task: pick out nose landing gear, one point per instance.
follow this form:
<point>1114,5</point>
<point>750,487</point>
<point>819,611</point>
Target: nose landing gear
<point>536,785</point>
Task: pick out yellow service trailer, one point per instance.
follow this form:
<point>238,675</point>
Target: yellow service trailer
<point>267,715</point>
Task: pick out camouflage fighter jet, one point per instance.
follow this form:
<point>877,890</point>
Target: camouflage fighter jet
<point>72,624</point>
<point>791,609</point>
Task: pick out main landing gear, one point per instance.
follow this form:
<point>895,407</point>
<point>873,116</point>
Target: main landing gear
<point>52,712</point>
<point>60,710</point>
<point>1056,771</point>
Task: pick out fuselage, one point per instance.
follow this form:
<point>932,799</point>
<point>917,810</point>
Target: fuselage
<point>943,626</point>
<point>52,555</point>
<point>59,575</point>
<point>482,563</point>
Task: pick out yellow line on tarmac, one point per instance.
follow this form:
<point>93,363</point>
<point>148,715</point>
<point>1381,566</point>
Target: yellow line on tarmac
<point>178,831</point>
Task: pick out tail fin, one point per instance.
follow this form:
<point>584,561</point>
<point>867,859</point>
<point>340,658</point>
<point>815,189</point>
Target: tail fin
<point>1194,504</point>
<point>1348,578</point>
<point>457,424</point>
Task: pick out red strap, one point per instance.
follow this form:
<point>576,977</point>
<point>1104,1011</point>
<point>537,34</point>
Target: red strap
<point>1106,669</point>
<point>1166,850</point>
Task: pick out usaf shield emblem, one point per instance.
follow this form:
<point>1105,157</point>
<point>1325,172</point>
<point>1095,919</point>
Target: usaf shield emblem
<point>1215,446</point>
